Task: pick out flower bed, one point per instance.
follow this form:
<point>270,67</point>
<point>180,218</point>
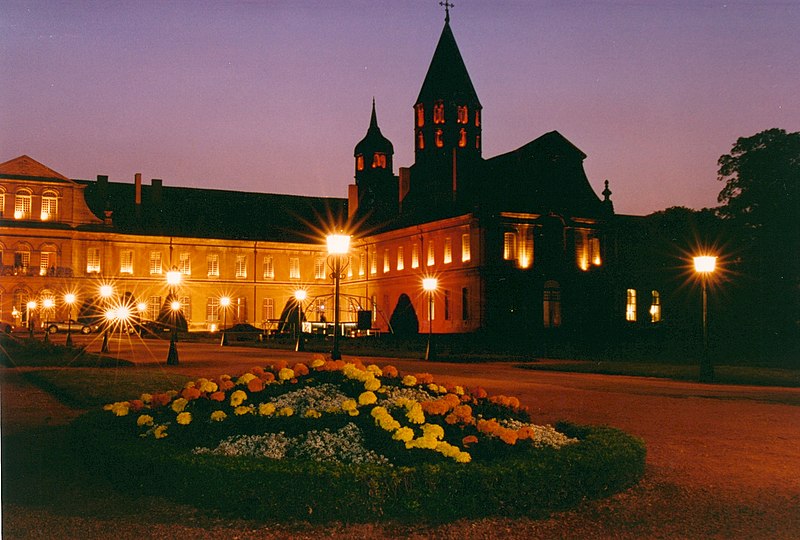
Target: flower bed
<point>352,442</point>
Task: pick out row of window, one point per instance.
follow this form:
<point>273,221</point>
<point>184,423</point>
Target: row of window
<point>518,247</point>
<point>438,139</point>
<point>398,259</point>
<point>23,205</point>
<point>462,114</point>
<point>378,161</point>
<point>654,312</point>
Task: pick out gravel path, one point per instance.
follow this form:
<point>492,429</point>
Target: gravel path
<point>723,462</point>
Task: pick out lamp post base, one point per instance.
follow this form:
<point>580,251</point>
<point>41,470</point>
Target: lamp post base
<point>300,345</point>
<point>104,346</point>
<point>224,340</point>
<point>69,339</point>
<point>172,355</point>
<point>429,352</point>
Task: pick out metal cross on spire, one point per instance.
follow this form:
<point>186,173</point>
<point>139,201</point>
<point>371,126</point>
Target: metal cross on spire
<point>447,5</point>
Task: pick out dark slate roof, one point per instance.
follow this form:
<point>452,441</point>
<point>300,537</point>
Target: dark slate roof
<point>447,76</point>
<point>374,139</point>
<point>546,175</point>
<point>209,213</point>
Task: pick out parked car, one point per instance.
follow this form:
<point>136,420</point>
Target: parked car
<point>63,326</point>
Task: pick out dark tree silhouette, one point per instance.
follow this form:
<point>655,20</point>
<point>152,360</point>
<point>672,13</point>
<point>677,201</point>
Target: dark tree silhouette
<point>404,319</point>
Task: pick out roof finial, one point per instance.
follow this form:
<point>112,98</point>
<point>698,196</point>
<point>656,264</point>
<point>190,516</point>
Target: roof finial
<point>447,5</point>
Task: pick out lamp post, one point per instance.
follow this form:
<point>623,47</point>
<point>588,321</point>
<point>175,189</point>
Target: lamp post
<point>224,303</point>
<point>31,305</point>
<point>705,265</point>
<point>430,284</point>
<point>47,305</point>
<point>69,300</point>
<point>299,296</point>
<point>105,293</point>
<point>173,280</point>
<point>338,247</point>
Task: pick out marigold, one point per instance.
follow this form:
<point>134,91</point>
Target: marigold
<point>217,396</point>
<point>469,439</point>
<point>375,370</point>
<point>312,413</point>
<point>244,379</point>
<point>390,371</point>
<point>300,369</point>
<point>179,404</point>
<point>349,405</point>
<point>367,398</point>
<point>404,434</point>
<point>184,418</point>
<point>268,377</point>
<point>317,362</point>
<point>226,384</point>
<point>190,393</point>
<point>147,398</point>
<point>120,408</point>
<point>136,404</point>
<point>424,378</point>
<point>286,411</point>
<point>160,432</point>
<point>415,414</point>
<point>241,410</point>
<point>237,398</point>
<point>279,365</point>
<point>409,380</point>
<point>160,399</point>
<point>255,385</point>
<point>144,420</point>
<point>218,416</point>
<point>266,409</point>
<point>372,384</point>
<point>285,374</point>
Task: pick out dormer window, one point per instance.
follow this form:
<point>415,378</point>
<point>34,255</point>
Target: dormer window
<point>420,141</point>
<point>379,161</point>
<point>360,162</point>
<point>420,115</point>
<point>463,115</point>
<point>462,138</point>
<point>49,206</point>
<point>438,113</point>
<point>438,138</point>
<point>22,204</point>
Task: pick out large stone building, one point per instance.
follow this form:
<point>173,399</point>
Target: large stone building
<point>518,242</point>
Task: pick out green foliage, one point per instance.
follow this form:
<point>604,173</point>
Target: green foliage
<point>16,352</point>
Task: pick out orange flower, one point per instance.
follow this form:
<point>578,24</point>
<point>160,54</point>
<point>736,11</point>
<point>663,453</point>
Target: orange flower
<point>161,399</point>
<point>279,365</point>
<point>300,369</point>
<point>136,404</point>
<point>268,377</point>
<point>255,385</point>
<point>479,392</point>
<point>226,384</point>
<point>258,372</point>
<point>390,371</point>
<point>217,396</point>
<point>190,393</point>
<point>424,378</point>
<point>469,439</point>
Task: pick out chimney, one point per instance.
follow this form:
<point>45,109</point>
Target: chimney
<point>352,200</point>
<point>156,192</point>
<point>138,183</point>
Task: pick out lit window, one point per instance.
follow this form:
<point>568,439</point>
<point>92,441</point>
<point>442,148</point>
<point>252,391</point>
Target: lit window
<point>269,267</point>
<point>415,256</point>
<point>241,266</point>
<point>431,259</point>
<point>597,260</point>
<point>373,265</point>
<point>186,307</point>
<point>126,261</point>
<point>49,206</point>
<point>319,268</point>
<point>478,142</point>
<point>420,141</point>
<point>294,268</point>
<point>438,113</point>
<point>184,264</point>
<point>478,117</point>
<point>463,114</point>
<point>438,138</point>
<point>360,162</point>
<point>655,307</point>
<point>448,251</point>
<point>46,260</point>
<point>400,256</point>
<point>509,246</point>
<point>379,161</point>
<point>526,247</point>
<point>465,248</point>
<point>386,263</point>
<point>268,309</point>
<point>153,307</point>
<point>155,263</point>
<point>92,260</point>
<point>551,305</point>
<point>212,263</point>
<point>2,203</point>
<point>22,204</point>
<point>582,248</point>
<point>362,264</point>
<point>22,260</point>
<point>350,266</point>
<point>420,115</point>
<point>630,306</point>
<point>212,309</point>
<point>462,138</point>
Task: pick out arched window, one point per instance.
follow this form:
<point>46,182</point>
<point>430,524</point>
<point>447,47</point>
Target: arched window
<point>463,114</point>
<point>462,138</point>
<point>379,161</point>
<point>2,202</point>
<point>438,113</point>
<point>359,162</point>
<point>420,115</point>
<point>22,204</point>
<point>49,206</point>
<point>655,307</point>
<point>438,140</point>
<point>630,306</point>
<point>420,141</point>
<point>551,304</point>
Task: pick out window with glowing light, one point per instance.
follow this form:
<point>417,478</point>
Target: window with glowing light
<point>438,138</point>
<point>155,263</point>
<point>465,248</point>
<point>2,202</point>
<point>477,142</point>
<point>630,305</point>
<point>379,161</point>
<point>438,113</point>
<point>373,263</point>
<point>478,117</point>
<point>153,307</point>
<point>93,260</point>
<point>655,307</point>
<point>184,264</point>
<point>268,309</point>
<point>525,248</point>
<point>186,307</point>
<point>509,246</point>
<point>241,267</point>
<point>49,206</point>
<point>126,261</point>
<point>294,267</point>
<point>551,304</point>
<point>386,262</point>
<point>47,259</point>
<point>463,114</point>
<point>362,263</point>
<point>462,138</point>
<point>23,204</point>
<point>22,259</point>
<point>359,162</point>
<point>212,309</point>
<point>269,267</point>
<point>415,255</point>
<point>420,110</point>
<point>431,256</point>
<point>212,265</point>
<point>420,141</point>
<point>448,251</point>
<point>319,268</point>
<point>400,258</point>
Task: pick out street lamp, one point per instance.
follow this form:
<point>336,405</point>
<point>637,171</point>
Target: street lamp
<point>105,293</point>
<point>430,284</point>
<point>224,303</point>
<point>173,280</point>
<point>705,265</point>
<point>299,296</point>
<point>338,247</point>
<point>31,305</point>
<point>69,300</point>
<point>47,305</point>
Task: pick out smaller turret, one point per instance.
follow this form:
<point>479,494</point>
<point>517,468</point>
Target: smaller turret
<point>375,182</point>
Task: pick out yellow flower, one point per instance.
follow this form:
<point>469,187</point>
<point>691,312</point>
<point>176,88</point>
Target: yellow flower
<point>317,362</point>
<point>286,411</point>
<point>179,404</point>
<point>209,387</point>
<point>237,398</point>
<point>184,418</point>
<point>463,457</point>
<point>266,409</point>
<point>372,384</point>
<point>312,413</point>
<point>218,416</point>
<point>244,379</point>
<point>434,431</point>
<point>349,405</point>
<point>367,398</point>
<point>241,410</point>
<point>285,374</point>
<point>404,434</point>
<point>409,380</point>
<point>458,390</point>
<point>160,432</point>
<point>172,393</point>
<point>375,370</point>
<point>146,398</point>
<point>144,420</point>
<point>415,414</point>
<point>120,408</point>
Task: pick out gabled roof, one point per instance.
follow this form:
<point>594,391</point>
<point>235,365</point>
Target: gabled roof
<point>447,76</point>
<point>27,168</point>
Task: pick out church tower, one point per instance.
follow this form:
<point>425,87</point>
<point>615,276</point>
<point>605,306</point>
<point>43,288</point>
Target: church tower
<point>375,181</point>
<point>447,122</point>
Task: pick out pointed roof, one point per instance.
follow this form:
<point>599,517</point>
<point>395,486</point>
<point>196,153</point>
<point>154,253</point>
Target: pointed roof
<point>447,76</point>
<point>374,139</point>
<point>27,168</point>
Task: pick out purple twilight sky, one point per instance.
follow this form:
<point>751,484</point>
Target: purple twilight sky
<point>272,95</point>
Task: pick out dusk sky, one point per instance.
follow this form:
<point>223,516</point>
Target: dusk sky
<point>273,95</point>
